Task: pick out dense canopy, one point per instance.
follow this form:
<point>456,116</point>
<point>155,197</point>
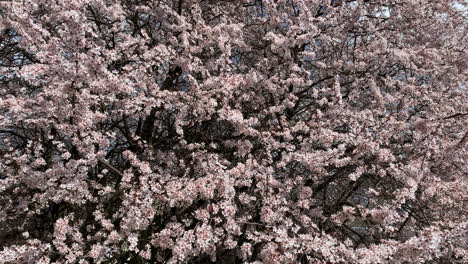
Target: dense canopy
<point>233,131</point>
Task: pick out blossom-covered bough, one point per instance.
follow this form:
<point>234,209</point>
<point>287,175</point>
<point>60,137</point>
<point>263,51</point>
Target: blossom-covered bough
<point>250,131</point>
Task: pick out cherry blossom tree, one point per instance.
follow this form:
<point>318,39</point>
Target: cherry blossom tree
<point>248,131</point>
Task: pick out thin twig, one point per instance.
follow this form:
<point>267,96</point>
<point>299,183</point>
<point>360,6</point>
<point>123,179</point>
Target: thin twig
<point>112,168</point>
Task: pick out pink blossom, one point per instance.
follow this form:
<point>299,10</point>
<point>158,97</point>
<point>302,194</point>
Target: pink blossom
<point>235,131</point>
